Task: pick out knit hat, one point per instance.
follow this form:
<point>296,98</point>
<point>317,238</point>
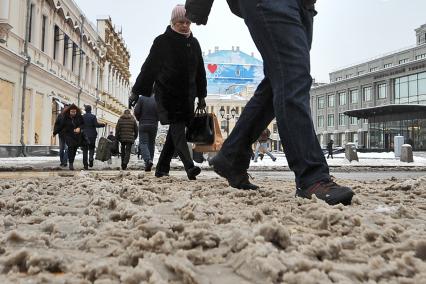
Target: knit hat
<point>87,108</point>
<point>178,14</point>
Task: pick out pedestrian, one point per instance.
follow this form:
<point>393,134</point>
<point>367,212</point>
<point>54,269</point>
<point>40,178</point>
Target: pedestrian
<point>63,148</point>
<point>114,146</point>
<point>282,31</point>
<point>90,133</point>
<point>126,132</point>
<point>330,149</point>
<point>262,143</point>
<point>146,113</point>
<point>175,64</point>
<point>71,127</point>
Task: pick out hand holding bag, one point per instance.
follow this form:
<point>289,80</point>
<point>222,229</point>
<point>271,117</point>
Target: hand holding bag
<point>201,128</point>
<point>218,139</point>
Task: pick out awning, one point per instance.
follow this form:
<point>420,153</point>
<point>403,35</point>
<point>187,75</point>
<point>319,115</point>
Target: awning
<point>406,111</point>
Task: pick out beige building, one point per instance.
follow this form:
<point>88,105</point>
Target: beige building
<point>50,49</point>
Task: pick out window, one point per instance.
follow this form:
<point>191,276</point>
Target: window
<point>420,56</point>
<point>381,91</point>
<point>372,69</point>
<point>238,72</point>
<point>321,102</point>
<point>228,108</point>
<point>31,28</point>
<point>342,119</point>
<point>366,94</point>
<point>348,76</point>
<point>342,99</point>
<point>274,128</point>
<point>330,120</point>
<point>361,72</point>
<point>74,56</point>
<point>353,120</point>
<point>405,60</point>
<point>66,46</point>
<point>320,121</point>
<point>338,79</point>
<point>43,33</point>
<point>387,65</point>
<point>56,42</point>
<point>330,101</point>
<point>410,89</point>
<point>353,94</point>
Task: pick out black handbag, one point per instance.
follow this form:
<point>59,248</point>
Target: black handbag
<point>201,128</point>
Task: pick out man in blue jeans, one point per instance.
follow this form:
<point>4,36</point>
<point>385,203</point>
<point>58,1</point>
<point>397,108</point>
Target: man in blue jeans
<point>282,31</point>
<point>147,115</point>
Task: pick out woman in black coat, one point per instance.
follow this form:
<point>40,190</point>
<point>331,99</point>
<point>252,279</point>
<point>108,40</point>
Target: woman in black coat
<point>71,126</point>
<point>174,71</point>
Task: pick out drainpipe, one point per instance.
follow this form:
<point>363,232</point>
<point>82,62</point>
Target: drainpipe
<point>24,77</point>
<point>80,68</point>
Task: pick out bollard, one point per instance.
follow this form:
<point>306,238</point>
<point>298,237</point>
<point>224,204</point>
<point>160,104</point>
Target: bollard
<point>397,142</point>
<point>406,153</point>
<point>350,152</point>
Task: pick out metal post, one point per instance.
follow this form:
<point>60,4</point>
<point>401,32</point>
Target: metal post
<point>24,77</point>
<point>80,67</point>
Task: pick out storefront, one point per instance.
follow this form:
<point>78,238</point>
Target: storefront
<point>386,122</point>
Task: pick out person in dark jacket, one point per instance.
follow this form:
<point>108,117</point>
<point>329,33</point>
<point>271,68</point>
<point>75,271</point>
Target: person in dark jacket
<point>174,71</point>
<point>71,126</point>
<point>330,149</point>
<point>146,113</point>
<point>90,133</point>
<point>63,148</point>
<point>262,143</point>
<point>126,132</point>
<point>282,31</point>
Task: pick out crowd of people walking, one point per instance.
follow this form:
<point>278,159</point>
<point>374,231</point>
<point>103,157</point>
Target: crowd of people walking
<point>174,72</point>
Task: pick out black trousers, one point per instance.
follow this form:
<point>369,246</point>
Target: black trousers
<point>175,140</point>
<point>72,151</point>
<point>88,149</point>
<point>126,149</point>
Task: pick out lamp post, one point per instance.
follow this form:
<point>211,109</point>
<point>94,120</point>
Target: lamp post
<point>227,117</point>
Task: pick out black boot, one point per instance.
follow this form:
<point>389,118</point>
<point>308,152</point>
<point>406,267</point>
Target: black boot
<point>71,167</point>
<point>193,172</point>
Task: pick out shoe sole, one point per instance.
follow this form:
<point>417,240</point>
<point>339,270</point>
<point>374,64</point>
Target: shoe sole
<point>344,198</point>
<point>221,173</point>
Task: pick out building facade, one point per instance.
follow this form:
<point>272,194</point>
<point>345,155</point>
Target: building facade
<point>353,106</point>
<point>50,54</point>
<point>232,78</point>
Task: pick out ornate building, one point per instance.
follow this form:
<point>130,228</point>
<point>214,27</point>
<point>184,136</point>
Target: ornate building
<point>50,54</point>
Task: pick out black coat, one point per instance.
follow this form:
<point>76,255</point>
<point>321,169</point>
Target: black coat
<point>90,125</point>
<point>174,71</point>
<point>67,129</point>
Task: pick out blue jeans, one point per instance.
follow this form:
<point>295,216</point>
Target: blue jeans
<point>264,146</point>
<point>147,134</point>
<point>282,31</point>
<point>63,150</point>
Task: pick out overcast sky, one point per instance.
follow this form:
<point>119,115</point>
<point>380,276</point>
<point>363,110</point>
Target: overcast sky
<point>345,31</point>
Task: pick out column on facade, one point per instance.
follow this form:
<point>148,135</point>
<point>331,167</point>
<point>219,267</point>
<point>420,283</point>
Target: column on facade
<point>110,79</point>
<point>61,42</point>
<point>46,131</point>
<point>117,88</point>
<point>105,77</point>
<point>83,70</point>
<point>36,34</point>
<point>95,75</point>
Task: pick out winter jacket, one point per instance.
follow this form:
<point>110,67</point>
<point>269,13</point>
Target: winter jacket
<point>174,70</point>
<point>198,10</point>
<point>58,125</point>
<point>264,137</point>
<point>67,127</point>
<point>126,129</point>
<point>146,111</point>
<point>330,146</point>
<point>90,125</point>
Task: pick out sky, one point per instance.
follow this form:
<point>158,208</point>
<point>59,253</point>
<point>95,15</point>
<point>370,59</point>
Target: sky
<point>346,32</point>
